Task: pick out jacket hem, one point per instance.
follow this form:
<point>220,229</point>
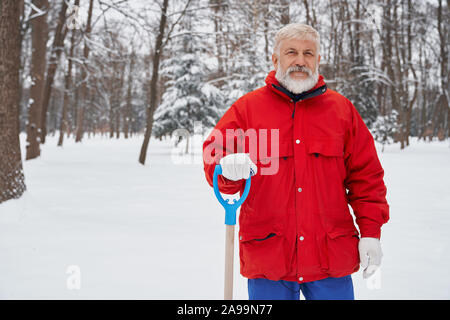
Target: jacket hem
<point>305,278</point>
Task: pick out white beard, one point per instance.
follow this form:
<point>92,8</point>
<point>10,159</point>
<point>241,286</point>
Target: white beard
<point>297,86</point>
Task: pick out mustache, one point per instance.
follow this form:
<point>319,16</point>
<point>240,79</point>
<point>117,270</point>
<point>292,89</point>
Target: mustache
<point>299,69</point>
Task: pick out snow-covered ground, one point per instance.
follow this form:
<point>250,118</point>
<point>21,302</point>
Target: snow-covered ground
<point>157,231</point>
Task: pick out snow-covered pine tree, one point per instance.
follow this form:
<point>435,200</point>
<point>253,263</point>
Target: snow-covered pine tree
<point>384,128</point>
<point>360,90</point>
<point>188,97</point>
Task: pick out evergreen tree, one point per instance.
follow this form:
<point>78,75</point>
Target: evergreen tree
<point>189,97</point>
<point>360,90</point>
<point>384,128</point>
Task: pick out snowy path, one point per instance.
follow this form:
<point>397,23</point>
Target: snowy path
<point>157,232</point>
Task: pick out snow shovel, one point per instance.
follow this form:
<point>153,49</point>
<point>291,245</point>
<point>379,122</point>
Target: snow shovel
<point>230,221</point>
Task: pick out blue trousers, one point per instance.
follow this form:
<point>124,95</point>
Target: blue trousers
<point>325,289</point>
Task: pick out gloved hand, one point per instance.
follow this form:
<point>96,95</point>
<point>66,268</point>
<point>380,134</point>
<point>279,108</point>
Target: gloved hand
<point>370,255</point>
<point>237,166</point>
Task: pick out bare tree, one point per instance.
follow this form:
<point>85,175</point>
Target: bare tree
<point>154,81</point>
<point>83,89</point>
<point>159,45</point>
<point>67,87</point>
<point>38,63</point>
<point>218,9</point>
<point>57,48</point>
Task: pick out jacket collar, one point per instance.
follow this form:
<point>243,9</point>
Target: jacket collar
<point>275,86</point>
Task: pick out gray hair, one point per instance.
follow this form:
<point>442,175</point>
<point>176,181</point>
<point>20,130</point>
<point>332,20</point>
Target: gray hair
<point>296,31</point>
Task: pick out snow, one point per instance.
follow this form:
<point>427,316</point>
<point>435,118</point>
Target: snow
<point>157,231</point>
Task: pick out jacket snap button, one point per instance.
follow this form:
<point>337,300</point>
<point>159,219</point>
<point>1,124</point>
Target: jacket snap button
<point>299,189</point>
<point>297,141</point>
<point>300,279</point>
<point>301,238</point>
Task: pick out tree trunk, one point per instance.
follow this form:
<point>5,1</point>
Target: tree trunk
<point>218,11</point>
<point>57,48</point>
<point>112,101</point>
<point>118,94</point>
<point>308,17</point>
<point>39,34</point>
<point>83,89</point>
<point>411,68</point>
<point>443,30</point>
<point>12,180</point>
<point>284,7</point>
<point>186,151</point>
<point>154,82</point>
<point>67,87</point>
<point>117,123</point>
<point>73,107</point>
<point>128,107</point>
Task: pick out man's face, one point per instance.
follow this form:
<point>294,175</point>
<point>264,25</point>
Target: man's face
<point>296,52</point>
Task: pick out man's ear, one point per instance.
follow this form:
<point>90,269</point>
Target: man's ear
<point>318,61</point>
<point>275,61</point>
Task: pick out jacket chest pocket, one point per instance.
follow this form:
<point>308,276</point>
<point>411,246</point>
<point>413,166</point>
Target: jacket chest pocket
<point>270,162</point>
<point>327,147</point>
<point>327,155</point>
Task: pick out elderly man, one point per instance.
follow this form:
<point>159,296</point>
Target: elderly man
<point>296,230</point>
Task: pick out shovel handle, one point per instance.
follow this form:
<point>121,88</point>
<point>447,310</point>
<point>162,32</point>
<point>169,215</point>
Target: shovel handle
<point>230,208</point>
<point>229,261</point>
<point>230,222</point>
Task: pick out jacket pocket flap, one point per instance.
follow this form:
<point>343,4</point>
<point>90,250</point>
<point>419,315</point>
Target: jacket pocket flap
<point>338,232</point>
<point>326,147</point>
<point>244,236</point>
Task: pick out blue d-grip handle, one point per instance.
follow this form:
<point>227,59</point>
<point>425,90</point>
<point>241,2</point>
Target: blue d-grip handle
<point>230,208</point>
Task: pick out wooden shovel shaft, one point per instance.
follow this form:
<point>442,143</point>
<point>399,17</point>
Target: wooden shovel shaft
<point>230,221</point>
<point>229,257</point>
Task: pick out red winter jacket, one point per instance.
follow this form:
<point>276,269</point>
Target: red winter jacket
<point>296,224</point>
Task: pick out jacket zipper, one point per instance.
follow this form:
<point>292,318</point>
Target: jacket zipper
<point>294,108</point>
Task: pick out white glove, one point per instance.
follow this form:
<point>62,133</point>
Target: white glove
<point>237,166</point>
<point>370,255</point>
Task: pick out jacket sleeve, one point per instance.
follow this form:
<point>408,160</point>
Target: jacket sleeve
<point>219,144</point>
<point>364,180</point>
